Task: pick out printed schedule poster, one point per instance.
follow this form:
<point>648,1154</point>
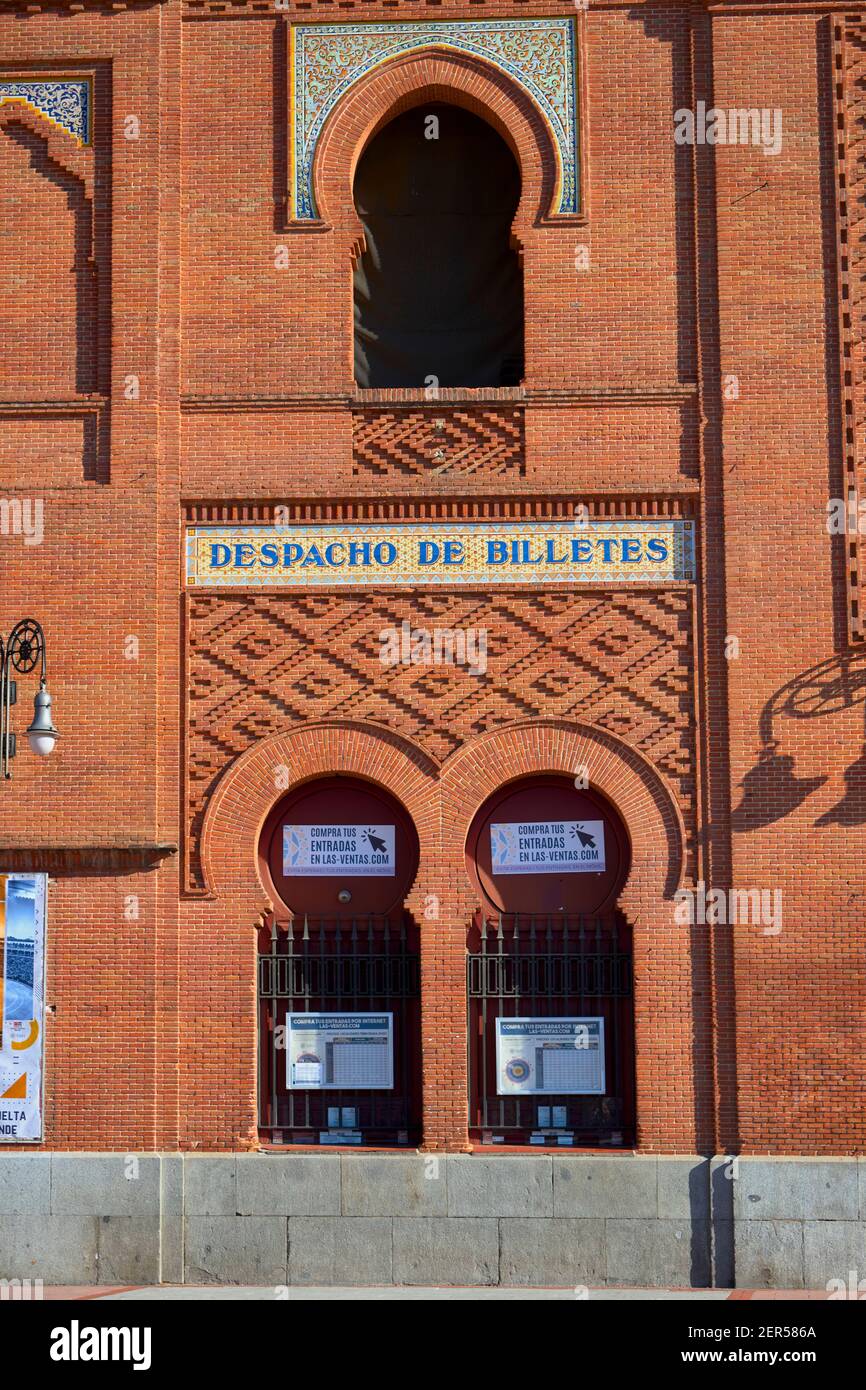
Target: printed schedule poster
<point>333,1052</point>
<point>543,1056</point>
<point>547,847</point>
<point>360,851</point>
<point>22,951</point>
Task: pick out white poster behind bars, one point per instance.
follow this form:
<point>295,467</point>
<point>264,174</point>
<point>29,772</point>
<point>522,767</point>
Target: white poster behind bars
<point>22,1000</point>
<point>333,1052</point>
<point>550,1056</point>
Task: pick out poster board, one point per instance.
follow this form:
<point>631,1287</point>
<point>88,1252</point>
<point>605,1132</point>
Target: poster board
<point>550,1056</point>
<point>339,1052</point>
<point>22,1004</point>
<point>547,847</point>
<point>350,851</point>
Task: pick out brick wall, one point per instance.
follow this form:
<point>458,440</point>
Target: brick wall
<point>157,366</point>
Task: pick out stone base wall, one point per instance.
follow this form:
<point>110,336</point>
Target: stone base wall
<point>561,1220</point>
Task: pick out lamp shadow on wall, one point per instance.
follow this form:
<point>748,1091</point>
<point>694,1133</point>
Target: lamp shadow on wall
<point>771,790</point>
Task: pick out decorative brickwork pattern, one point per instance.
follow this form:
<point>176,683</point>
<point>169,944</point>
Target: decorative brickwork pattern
<point>162,317</point>
<point>850,57</point>
<point>622,662</point>
<point>420,443</point>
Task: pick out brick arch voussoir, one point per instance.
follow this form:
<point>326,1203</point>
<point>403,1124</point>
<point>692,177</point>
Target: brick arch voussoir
<point>629,780</point>
<point>252,784</point>
<point>411,80</point>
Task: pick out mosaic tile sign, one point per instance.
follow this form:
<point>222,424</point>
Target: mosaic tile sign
<point>64,101</point>
<point>327,59</point>
<point>449,552</point>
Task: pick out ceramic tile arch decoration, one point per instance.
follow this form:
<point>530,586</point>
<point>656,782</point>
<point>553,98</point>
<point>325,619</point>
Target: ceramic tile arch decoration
<point>326,60</point>
<point>65,101</point>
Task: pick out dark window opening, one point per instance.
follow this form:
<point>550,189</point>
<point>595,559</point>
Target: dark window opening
<point>523,965</point>
<point>439,289</point>
<point>312,965</point>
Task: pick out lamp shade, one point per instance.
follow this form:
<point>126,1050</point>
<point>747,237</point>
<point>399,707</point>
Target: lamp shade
<point>42,733</point>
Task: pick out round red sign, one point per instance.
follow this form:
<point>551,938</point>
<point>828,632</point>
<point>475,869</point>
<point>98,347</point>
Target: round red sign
<point>547,846</point>
<point>339,847</point>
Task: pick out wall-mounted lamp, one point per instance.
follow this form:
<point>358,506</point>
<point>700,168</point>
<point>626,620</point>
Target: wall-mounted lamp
<point>24,649</point>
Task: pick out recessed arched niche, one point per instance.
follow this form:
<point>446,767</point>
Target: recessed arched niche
<point>338,847</point>
<point>546,845</point>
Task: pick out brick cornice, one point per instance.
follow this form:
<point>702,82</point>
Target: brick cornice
<point>408,10</point>
<point>493,506</point>
<point>668,393</point>
<point>31,7</point>
<point>361,11</point>
<point>65,859</point>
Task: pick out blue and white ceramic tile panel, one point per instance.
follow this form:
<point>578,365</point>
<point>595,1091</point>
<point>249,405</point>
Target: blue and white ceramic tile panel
<point>328,59</point>
<point>64,101</point>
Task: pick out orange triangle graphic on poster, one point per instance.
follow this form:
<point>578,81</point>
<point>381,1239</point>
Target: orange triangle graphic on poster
<point>18,1089</point>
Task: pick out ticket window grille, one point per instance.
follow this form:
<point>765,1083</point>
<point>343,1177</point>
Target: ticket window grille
<point>527,966</point>
<point>327,965</point>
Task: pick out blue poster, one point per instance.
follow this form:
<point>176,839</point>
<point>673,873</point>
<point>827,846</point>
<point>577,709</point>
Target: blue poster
<point>22,950</point>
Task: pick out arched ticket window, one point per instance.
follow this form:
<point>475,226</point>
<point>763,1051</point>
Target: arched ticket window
<point>439,288</point>
<point>339,1010</point>
<point>551,1026</point>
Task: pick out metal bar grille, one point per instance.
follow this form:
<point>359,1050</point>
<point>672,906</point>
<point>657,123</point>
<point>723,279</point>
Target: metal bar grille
<point>331,965</point>
<point>527,965</point>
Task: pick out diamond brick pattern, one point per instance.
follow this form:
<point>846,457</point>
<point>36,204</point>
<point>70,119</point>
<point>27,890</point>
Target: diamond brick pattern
<point>621,661</point>
<point>418,442</point>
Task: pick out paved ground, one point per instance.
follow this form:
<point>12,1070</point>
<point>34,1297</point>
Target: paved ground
<point>411,1295</point>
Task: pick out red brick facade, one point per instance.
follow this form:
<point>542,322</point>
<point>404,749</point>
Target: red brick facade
<point>158,368</point>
